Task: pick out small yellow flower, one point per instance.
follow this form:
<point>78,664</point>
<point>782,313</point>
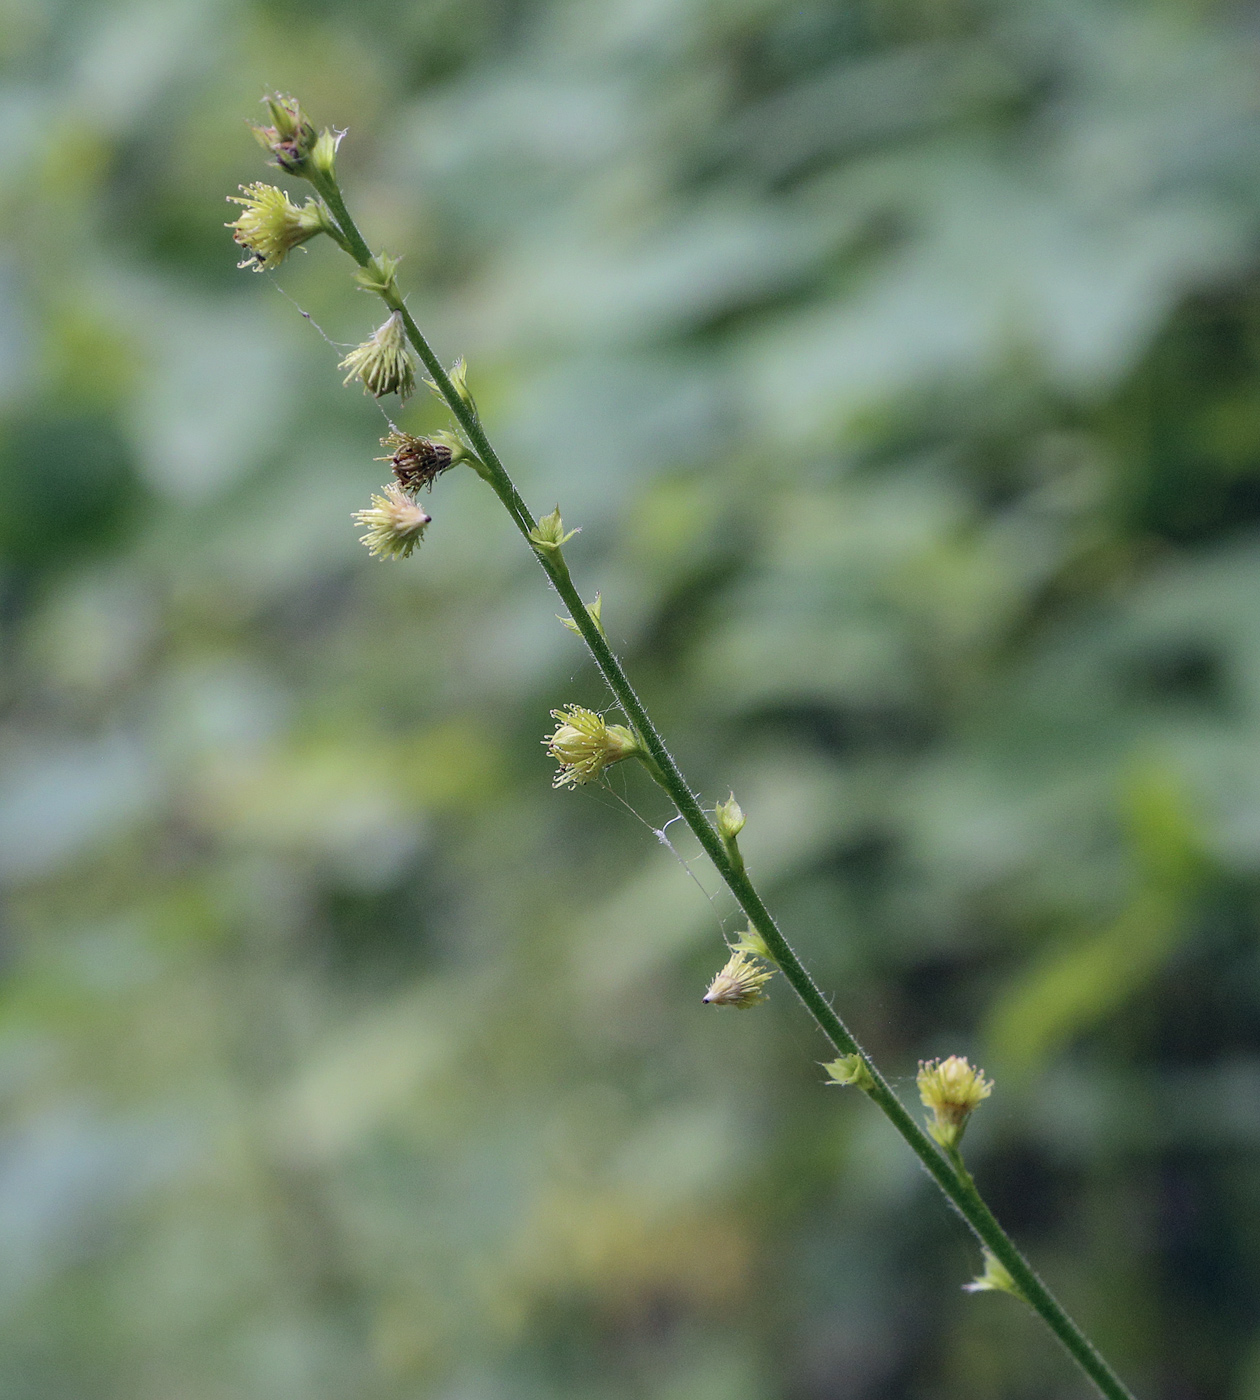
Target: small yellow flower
<point>953,1089</point>
<point>272,225</point>
<point>384,362</point>
<point>740,983</point>
<point>584,744</point>
<point>395,523</point>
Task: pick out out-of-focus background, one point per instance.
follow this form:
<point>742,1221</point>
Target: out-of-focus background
<point>901,365</point>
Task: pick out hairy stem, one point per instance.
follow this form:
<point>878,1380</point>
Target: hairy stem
<point>953,1179</point>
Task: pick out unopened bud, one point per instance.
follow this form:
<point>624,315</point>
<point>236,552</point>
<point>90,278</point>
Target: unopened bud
<point>730,818</point>
<point>584,744</point>
<point>953,1089</point>
<point>741,983</point>
<point>750,941</point>
<point>395,523</point>
<point>290,138</point>
<point>379,275</point>
<point>271,225</point>
<point>324,153</point>
<point>593,611</point>
<point>549,534</point>
<point>850,1069</point>
<point>996,1277</point>
<point>383,363</point>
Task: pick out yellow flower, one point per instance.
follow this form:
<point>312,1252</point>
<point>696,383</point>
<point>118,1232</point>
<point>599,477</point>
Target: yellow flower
<point>384,362</point>
<point>584,744</point>
<point>395,523</point>
<point>272,225</point>
<point>740,983</point>
<point>953,1089</point>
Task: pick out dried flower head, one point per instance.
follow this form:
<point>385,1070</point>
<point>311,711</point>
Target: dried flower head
<point>290,138</point>
<point>271,225</point>
<point>584,744</point>
<point>416,461</point>
<point>384,362</point>
<point>953,1089</point>
<point>395,523</point>
<point>740,983</point>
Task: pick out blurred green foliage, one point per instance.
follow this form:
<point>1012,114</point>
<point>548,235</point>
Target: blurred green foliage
<point>900,362</point>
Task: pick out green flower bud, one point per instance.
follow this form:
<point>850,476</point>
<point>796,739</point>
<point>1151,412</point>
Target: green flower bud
<point>379,275</point>
<point>549,533</point>
<point>324,153</point>
<point>584,744</point>
<point>272,225</point>
<point>383,363</point>
<point>395,523</point>
<point>850,1069</point>
<point>593,611</point>
<point>290,138</point>
<point>750,941</point>
<point>996,1277</point>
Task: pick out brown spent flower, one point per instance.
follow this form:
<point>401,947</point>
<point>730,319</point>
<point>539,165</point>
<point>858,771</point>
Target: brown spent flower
<point>417,462</point>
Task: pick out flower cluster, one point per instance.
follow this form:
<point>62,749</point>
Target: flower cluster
<point>953,1089</point>
<point>584,744</point>
<point>383,363</point>
<point>395,523</point>
<point>272,225</point>
<point>740,983</point>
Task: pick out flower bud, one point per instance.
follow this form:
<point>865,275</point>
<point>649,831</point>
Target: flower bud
<point>395,523</point>
<point>584,744</point>
<point>324,153</point>
<point>740,983</point>
<point>384,362</point>
<point>379,275</point>
<point>416,461</point>
<point>272,225</point>
<point>850,1069</point>
<point>291,138</point>
<point>750,941</point>
<point>996,1277</point>
<point>953,1089</point>
<point>549,534</point>
<point>730,818</point>
<point>458,375</point>
<point>593,611</point>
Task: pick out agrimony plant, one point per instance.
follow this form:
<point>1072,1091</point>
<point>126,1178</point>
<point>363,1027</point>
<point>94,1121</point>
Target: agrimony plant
<point>583,743</point>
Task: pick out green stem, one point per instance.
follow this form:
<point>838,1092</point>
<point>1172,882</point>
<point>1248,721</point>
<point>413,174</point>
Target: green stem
<point>954,1181</point>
